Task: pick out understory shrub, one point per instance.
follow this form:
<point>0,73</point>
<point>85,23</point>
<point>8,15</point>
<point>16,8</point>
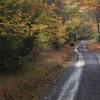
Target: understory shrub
<point>13,50</point>
<point>9,58</point>
<point>98,38</point>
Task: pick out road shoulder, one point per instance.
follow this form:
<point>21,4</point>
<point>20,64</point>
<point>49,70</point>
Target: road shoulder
<point>94,47</point>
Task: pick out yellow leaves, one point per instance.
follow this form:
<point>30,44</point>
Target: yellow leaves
<point>62,31</point>
<point>39,27</point>
<point>75,19</point>
<point>22,24</point>
<point>49,8</point>
<point>94,27</point>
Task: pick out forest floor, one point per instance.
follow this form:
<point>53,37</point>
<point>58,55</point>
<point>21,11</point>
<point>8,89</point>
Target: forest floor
<point>38,77</point>
<point>94,47</point>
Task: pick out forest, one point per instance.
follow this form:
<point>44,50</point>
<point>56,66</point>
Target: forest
<point>30,27</point>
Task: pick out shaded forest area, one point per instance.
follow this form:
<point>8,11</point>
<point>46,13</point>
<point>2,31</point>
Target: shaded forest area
<point>35,30</point>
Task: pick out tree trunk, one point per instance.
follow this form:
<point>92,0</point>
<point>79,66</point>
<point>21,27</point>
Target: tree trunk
<point>98,26</point>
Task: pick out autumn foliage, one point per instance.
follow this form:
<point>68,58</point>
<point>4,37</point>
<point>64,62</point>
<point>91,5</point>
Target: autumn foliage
<point>34,25</point>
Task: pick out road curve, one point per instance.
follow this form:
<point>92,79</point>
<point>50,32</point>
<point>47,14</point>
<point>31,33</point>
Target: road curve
<point>81,81</point>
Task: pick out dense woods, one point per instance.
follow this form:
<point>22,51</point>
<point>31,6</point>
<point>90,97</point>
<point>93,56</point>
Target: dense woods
<point>30,25</point>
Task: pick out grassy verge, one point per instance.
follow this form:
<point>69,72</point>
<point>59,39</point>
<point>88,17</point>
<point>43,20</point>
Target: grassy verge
<point>39,75</point>
<point>94,47</point>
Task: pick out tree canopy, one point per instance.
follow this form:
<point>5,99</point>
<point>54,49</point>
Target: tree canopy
<point>32,25</point>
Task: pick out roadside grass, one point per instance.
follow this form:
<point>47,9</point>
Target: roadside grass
<point>39,75</point>
<point>94,47</point>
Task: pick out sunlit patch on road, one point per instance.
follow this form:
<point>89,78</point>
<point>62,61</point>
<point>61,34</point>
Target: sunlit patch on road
<point>70,88</point>
<point>80,63</point>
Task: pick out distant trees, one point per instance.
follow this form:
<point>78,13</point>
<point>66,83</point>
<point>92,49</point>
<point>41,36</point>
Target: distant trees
<point>93,8</point>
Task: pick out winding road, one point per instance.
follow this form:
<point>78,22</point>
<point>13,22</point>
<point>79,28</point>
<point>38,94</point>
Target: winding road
<point>82,80</point>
